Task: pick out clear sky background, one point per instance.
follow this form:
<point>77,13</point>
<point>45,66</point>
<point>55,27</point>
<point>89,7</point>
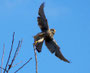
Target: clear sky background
<point>70,18</point>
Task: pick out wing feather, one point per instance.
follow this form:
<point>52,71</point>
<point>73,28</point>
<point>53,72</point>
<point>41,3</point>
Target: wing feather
<point>38,41</point>
<point>39,46</point>
<point>53,47</point>
<point>42,21</point>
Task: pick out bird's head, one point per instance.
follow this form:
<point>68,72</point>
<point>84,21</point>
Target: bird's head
<point>53,31</point>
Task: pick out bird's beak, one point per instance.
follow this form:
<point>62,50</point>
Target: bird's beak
<point>54,30</point>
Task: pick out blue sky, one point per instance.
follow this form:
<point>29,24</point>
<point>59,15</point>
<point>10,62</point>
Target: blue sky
<point>70,18</point>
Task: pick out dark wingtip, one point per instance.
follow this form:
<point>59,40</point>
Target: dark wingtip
<point>43,4</point>
<point>41,8</point>
<point>67,61</point>
<point>38,50</point>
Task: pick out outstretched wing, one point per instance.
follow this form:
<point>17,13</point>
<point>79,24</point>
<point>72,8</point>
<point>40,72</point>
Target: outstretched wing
<point>53,47</point>
<point>42,21</point>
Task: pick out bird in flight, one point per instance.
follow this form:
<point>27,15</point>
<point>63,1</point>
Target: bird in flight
<point>46,35</point>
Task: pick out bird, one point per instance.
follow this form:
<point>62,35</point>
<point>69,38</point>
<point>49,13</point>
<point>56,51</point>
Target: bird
<point>46,35</point>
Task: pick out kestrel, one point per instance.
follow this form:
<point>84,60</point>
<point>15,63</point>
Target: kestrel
<point>46,35</point>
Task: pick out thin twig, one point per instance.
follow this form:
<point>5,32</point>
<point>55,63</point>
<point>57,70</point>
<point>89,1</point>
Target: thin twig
<point>14,56</point>
<point>10,52</point>
<point>36,59</point>
<point>3,69</point>
<point>23,65</point>
<point>19,47</point>
<point>16,53</point>
<point>2,57</point>
<point>16,64</point>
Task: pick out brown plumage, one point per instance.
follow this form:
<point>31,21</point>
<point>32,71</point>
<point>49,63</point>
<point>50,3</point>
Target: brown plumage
<point>47,36</point>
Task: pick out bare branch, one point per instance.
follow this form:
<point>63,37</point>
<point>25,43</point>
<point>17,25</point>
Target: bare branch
<point>10,52</point>
<point>3,69</point>
<point>23,65</point>
<point>36,59</point>
<point>14,56</point>
<point>2,57</point>
<point>19,47</point>
<point>16,53</point>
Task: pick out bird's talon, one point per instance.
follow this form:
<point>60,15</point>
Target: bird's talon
<point>35,42</point>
